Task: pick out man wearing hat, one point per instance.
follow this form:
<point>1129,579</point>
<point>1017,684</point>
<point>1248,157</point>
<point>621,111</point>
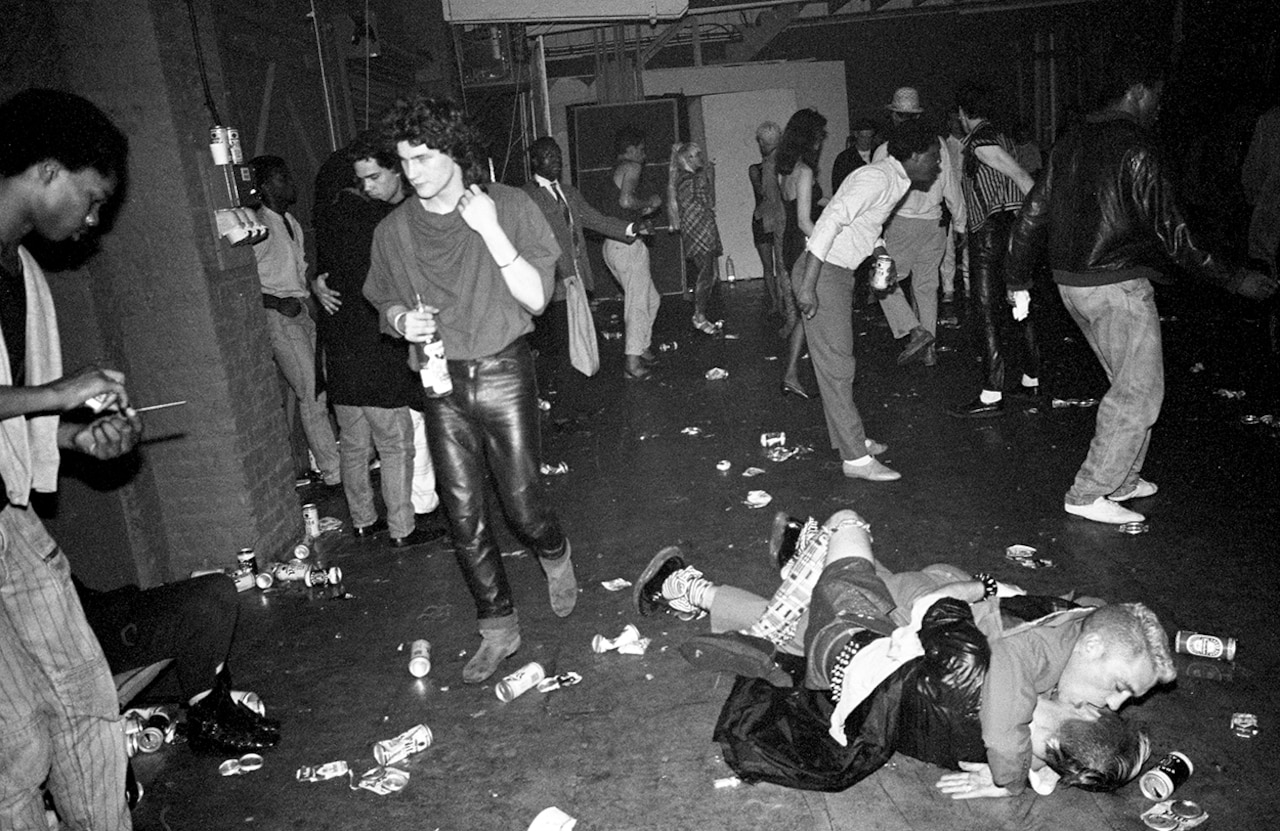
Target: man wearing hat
<point>916,238</point>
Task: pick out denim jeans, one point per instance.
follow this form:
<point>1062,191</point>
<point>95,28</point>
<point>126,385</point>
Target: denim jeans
<point>293,343</point>
<point>390,432</point>
<point>1122,326</point>
<point>629,263</point>
<point>59,716</point>
<point>487,429</point>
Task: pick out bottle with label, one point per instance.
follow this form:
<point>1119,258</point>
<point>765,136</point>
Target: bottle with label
<point>433,368</point>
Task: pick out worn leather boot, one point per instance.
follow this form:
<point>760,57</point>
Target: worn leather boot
<point>495,646</point>
<point>562,583</point>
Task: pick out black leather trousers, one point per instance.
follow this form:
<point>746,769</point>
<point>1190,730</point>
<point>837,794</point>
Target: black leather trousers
<point>487,428</point>
<point>988,306</point>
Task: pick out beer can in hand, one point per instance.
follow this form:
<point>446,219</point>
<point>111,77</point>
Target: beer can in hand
<point>880,271</point>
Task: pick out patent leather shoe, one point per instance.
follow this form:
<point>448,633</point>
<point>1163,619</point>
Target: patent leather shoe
<point>978,409</point>
<point>368,532</point>
<point>783,539</point>
<point>736,653</point>
<point>647,594</point>
<point>794,389</point>
<point>419,536</point>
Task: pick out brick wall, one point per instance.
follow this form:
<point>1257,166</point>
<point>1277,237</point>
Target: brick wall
<point>176,307</point>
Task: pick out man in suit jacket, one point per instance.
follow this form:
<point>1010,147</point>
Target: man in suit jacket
<point>569,215</point>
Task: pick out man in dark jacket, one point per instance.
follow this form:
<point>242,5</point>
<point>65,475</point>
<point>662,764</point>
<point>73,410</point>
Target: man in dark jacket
<point>569,214</point>
<point>1107,212</point>
<point>368,376</point>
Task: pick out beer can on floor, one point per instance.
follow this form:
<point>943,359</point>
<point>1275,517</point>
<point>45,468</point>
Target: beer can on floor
<point>777,439</point>
<point>1205,646</point>
<point>151,736</point>
<point>880,272</point>
<point>244,580</point>
<point>1167,776</point>
<point>311,519</point>
<point>264,580</point>
<point>323,577</point>
<point>293,570</point>
<point>420,658</point>
<point>413,740</point>
<point>520,682</point>
<point>246,559</point>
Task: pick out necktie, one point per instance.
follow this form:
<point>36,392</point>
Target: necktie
<point>564,206</point>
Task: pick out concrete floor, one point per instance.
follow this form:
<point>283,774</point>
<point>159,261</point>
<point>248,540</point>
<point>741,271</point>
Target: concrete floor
<point>630,747</point>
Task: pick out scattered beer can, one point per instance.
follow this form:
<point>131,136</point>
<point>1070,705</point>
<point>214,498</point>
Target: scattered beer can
<point>717,374</point>
<point>292,571</point>
<point>669,347</point>
<point>617,584</point>
<point>320,773</point>
<point>420,658</point>
<point>1205,646</point>
<point>1244,725</point>
<point>246,559</point>
<point>414,740</point>
<point>758,499</point>
<point>553,819</point>
<point>1167,776</point>
<point>600,644</point>
<point>723,465</point>
<point>311,520</point>
<point>1174,815</point>
<point>1133,528</point>
<point>301,551</point>
<point>383,780</point>
<point>264,580</point>
<point>323,577</point>
<point>777,439</point>
<point>247,763</point>
<point>555,682</point>
<point>520,682</point>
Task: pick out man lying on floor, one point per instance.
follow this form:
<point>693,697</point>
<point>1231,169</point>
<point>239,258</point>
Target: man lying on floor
<point>920,662</point>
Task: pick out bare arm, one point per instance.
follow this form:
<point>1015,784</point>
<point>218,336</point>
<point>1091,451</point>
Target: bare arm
<point>804,199</point>
<point>627,178</point>
<point>995,156</point>
<point>522,279</point>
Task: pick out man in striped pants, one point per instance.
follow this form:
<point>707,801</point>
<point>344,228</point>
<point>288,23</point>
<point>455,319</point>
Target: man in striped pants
<point>60,161</point>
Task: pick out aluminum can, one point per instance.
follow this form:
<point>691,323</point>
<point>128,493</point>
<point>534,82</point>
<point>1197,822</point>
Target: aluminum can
<point>151,736</point>
<point>264,580</point>
<point>778,439</point>
<point>413,740</point>
<point>1169,773</point>
<point>244,580</point>
<point>311,519</point>
<point>420,658</point>
<point>301,551</point>
<point>233,145</point>
<point>246,559</point>
<point>520,682</point>
<point>323,577</point>
<point>880,272</point>
<point>291,571</point>
<point>1205,646</point>
<point>219,146</point>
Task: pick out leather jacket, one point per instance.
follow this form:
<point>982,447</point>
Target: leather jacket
<point>1107,211</point>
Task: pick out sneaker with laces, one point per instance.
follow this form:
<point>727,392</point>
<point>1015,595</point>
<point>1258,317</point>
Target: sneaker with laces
<point>1140,491</point>
<point>1104,510</point>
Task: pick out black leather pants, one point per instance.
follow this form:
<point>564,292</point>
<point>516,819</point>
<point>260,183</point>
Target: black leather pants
<point>487,428</point>
<point>989,308</point>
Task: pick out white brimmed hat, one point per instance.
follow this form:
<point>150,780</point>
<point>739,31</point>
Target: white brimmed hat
<point>905,100</point>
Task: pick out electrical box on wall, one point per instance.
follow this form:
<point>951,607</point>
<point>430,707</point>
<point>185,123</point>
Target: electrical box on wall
<point>491,53</point>
<point>235,219</point>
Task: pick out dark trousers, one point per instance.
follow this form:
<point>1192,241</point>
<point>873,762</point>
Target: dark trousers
<point>191,621</point>
<point>989,307</point>
<point>488,427</point>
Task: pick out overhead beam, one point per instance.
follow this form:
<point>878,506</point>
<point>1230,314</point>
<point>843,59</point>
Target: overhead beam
<point>769,25</point>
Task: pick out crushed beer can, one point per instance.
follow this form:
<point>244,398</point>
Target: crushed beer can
<point>554,470</point>
<point>1244,725</point>
<point>636,647</point>
<point>757,499</point>
<point>717,374</point>
<point>1133,528</point>
<point>247,763</point>
<point>692,431</point>
<point>320,773</point>
<point>723,465</point>
<point>1059,403</point>
<point>777,439</point>
<point>669,347</point>
<point>600,644</point>
<point>383,780</point>
<point>1025,556</point>
<point>1234,395</point>
<point>555,682</point>
<point>414,740</point>
<point>617,584</point>
<point>1174,815</point>
<point>752,471</point>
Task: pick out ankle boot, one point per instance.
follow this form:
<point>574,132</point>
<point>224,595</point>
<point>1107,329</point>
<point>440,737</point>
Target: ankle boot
<point>496,645</point>
<point>562,584</point>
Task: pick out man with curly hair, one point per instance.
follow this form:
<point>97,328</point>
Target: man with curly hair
<point>473,265</point>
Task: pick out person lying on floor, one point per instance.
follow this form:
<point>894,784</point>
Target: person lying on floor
<point>980,689</point>
<point>192,622</point>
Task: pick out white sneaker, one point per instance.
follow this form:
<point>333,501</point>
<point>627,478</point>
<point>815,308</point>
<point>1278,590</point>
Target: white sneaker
<point>1141,490</point>
<point>1104,510</point>
<point>873,471</point>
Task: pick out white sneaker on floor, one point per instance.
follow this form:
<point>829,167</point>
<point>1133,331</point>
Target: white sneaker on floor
<point>873,471</point>
<point>1141,490</point>
<point>1104,510</point>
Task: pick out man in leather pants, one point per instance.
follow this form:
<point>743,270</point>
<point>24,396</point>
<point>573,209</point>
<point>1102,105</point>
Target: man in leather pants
<point>994,186</point>
<point>1105,209</point>
<point>474,265</point>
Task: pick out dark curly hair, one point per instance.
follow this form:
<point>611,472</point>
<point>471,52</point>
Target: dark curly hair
<point>1098,754</point>
<point>800,140</point>
<point>440,124</point>
<point>373,144</point>
<point>40,124</point>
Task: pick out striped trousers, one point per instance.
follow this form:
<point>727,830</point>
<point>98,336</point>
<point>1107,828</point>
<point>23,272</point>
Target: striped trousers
<point>59,716</point>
